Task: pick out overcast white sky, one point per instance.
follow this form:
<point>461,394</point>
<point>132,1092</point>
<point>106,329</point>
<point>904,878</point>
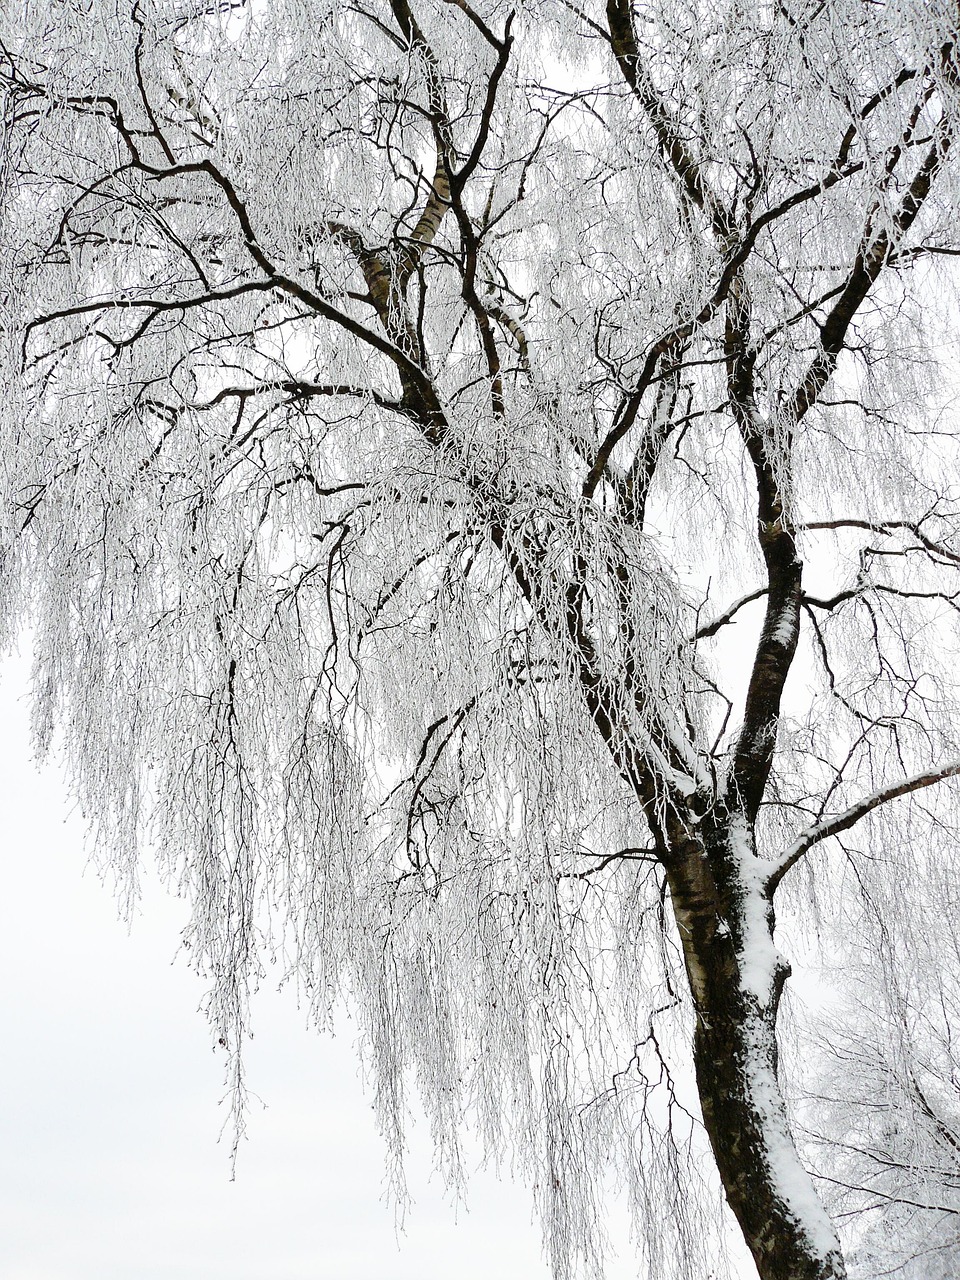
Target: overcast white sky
<point>109,1163</point>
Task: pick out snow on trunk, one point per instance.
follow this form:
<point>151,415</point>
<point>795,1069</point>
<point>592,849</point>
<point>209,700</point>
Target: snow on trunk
<point>725,916</point>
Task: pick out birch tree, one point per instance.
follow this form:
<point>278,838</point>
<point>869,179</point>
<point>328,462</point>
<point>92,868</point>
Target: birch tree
<point>418,416</point>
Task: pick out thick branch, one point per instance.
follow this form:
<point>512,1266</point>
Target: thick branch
<point>843,821</point>
<point>683,164</point>
<point>711,628</point>
<point>887,526</point>
<point>672,344</point>
<point>875,251</point>
<point>777,644</point>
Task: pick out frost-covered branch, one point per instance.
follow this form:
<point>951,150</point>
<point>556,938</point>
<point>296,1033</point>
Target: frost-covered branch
<point>844,821</point>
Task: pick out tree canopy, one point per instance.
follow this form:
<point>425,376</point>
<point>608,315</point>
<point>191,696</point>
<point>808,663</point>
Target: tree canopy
<point>482,483</point>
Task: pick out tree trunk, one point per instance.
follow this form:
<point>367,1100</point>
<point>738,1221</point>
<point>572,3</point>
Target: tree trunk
<point>725,917</point>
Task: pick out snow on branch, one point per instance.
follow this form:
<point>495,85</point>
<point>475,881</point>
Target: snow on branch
<point>844,821</point>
